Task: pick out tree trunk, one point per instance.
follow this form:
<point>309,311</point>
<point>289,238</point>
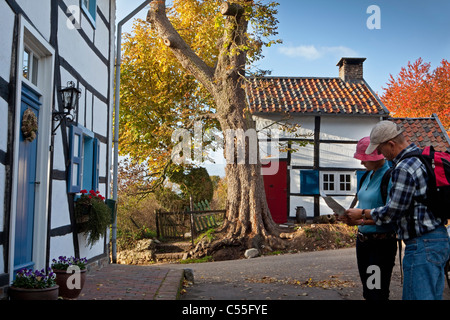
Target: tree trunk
<point>248,220</point>
<point>248,217</point>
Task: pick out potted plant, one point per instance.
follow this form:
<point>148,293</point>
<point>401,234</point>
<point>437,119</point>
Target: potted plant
<point>70,275</point>
<point>92,214</point>
<point>34,285</point>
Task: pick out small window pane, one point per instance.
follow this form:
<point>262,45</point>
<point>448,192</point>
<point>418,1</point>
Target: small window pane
<point>76,145</point>
<point>345,182</point>
<point>26,64</point>
<point>35,70</point>
<point>75,174</point>
<point>328,182</point>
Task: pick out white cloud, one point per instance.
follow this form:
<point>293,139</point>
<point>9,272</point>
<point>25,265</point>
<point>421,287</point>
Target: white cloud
<point>312,52</point>
<point>308,52</point>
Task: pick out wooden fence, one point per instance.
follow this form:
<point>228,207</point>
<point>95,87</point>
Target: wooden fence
<point>172,225</point>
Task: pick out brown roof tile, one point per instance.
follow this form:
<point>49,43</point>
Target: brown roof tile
<point>312,95</point>
<point>424,132</point>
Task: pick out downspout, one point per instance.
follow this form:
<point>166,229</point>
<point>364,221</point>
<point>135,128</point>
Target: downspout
<point>116,120</point>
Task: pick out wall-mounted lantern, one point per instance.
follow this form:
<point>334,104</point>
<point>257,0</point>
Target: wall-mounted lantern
<point>70,96</point>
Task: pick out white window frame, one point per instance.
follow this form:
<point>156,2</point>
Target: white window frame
<point>33,62</point>
<point>337,182</point>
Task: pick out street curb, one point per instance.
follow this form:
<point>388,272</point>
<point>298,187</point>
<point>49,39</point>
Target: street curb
<point>171,285</point>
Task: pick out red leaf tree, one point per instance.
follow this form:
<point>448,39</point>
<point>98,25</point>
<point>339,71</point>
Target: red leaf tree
<point>419,91</point>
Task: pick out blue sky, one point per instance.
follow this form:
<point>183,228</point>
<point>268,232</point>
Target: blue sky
<point>317,33</point>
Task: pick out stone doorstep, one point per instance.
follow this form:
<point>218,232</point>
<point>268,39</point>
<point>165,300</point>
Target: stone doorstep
<point>172,251</point>
<point>173,247</point>
<point>169,256</point>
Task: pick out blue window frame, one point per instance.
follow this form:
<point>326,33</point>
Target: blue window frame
<point>90,9</point>
<point>84,160</point>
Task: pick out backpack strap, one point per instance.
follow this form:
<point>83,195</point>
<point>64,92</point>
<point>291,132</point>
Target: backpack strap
<point>355,199</point>
<point>385,184</point>
<point>383,187</point>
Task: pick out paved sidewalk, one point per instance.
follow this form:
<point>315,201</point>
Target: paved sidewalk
<point>131,282</point>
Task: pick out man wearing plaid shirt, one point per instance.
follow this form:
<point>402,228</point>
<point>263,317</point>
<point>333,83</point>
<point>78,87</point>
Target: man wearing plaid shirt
<point>426,238</point>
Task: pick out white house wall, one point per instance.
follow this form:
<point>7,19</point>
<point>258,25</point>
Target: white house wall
<point>77,52</point>
<point>337,155</point>
<point>304,156</point>
<point>100,109</point>
<point>39,14</point>
<point>340,127</point>
<point>62,246</point>
<point>59,205</point>
<point>6,36</point>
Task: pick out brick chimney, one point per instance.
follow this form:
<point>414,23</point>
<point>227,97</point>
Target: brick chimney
<point>351,69</point>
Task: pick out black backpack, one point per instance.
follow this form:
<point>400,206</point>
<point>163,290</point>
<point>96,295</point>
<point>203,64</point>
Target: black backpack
<point>437,165</point>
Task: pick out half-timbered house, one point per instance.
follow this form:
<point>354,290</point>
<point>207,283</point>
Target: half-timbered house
<point>48,152</point>
<point>334,113</point>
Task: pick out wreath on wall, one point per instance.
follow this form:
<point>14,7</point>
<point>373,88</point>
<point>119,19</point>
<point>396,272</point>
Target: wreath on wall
<point>29,125</point>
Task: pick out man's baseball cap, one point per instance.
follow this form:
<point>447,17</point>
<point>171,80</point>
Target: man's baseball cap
<point>383,131</point>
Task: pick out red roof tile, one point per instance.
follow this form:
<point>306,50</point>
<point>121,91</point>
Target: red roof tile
<point>312,95</point>
<point>424,132</point>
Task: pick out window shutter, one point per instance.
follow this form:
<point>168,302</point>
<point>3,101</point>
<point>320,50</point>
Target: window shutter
<point>96,164</point>
<point>75,167</point>
<point>309,182</point>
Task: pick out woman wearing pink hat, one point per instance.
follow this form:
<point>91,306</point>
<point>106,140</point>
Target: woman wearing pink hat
<point>376,246</point>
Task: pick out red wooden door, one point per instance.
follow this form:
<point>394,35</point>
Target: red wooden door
<point>276,191</point>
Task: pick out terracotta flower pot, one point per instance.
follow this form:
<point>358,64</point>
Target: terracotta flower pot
<point>66,290</point>
<point>33,294</point>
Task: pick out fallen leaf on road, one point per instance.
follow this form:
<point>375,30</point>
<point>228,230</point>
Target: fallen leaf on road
<point>333,282</point>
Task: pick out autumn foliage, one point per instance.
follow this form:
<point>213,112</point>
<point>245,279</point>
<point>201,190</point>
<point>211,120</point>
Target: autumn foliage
<point>157,96</point>
<point>419,91</point>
